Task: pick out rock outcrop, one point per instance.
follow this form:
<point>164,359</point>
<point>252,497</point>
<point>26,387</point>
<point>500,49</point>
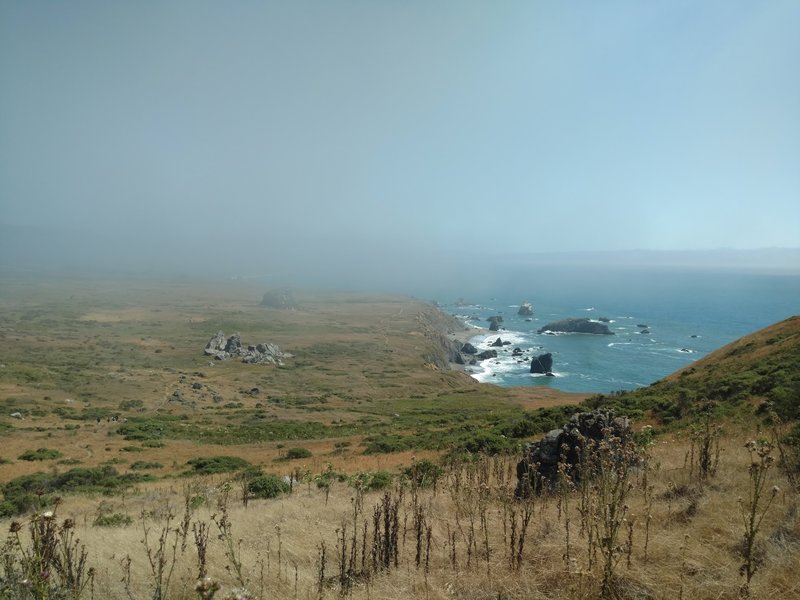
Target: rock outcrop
<point>579,325</point>
<point>525,309</point>
<point>223,348</point>
<point>469,349</point>
<point>542,364</point>
<point>577,441</point>
<point>279,299</point>
<point>487,354</point>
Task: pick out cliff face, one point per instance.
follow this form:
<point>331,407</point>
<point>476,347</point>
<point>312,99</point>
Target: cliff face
<point>438,328</point>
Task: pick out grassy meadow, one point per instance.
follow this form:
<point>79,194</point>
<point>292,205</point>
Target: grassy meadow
<point>153,459</point>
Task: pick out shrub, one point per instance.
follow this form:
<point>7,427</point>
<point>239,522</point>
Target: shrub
<point>267,486</point>
<point>295,453</point>
<point>40,454</point>
<point>423,473</point>
<point>371,480</point>
<point>216,464</point>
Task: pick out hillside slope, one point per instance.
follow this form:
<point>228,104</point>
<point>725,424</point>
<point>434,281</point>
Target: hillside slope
<point>764,365</point>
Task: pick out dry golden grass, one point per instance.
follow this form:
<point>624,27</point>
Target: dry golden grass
<point>692,550</point>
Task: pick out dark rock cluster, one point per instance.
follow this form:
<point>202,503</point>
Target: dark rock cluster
<point>579,325</point>
<point>223,348</point>
<point>569,444</point>
<point>494,323</point>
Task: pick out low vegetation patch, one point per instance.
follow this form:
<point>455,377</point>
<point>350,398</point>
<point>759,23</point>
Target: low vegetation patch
<point>36,491</point>
<point>216,464</point>
<point>40,454</point>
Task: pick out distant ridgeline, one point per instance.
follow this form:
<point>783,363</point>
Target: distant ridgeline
<point>761,369</point>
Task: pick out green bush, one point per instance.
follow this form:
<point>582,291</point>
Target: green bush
<point>295,453</point>
<point>216,464</point>
<point>423,473</point>
<point>267,486</point>
<point>113,520</point>
<point>40,454</point>
<point>371,480</point>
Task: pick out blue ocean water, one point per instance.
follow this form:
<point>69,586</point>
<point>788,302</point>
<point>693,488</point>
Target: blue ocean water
<point>687,314</point>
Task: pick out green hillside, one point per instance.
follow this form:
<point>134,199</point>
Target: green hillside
<point>762,366</point>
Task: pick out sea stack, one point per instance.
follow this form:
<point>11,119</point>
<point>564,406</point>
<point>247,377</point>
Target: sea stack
<point>542,364</point>
<point>525,309</point>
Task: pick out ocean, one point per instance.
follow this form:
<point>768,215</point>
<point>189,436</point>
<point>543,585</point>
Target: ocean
<point>687,315</point>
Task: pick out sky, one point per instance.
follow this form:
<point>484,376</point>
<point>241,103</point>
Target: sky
<point>361,132</point>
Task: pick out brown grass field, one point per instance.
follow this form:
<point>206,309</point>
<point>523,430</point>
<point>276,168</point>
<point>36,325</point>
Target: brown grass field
<point>72,349</point>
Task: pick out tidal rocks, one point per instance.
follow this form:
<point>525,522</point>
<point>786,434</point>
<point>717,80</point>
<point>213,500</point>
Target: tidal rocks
<point>542,364</point>
<point>487,354</point>
<point>579,325</point>
<point>578,440</point>
<point>469,349</point>
<point>498,343</point>
<point>223,348</point>
<point>525,309</point>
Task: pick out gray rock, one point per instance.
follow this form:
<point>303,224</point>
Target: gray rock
<point>498,343</point>
<point>234,345</point>
<point>222,349</point>
<point>216,344</point>
<point>525,309</point>
<point>469,349</point>
<point>487,354</point>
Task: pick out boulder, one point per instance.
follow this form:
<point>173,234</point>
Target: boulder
<point>525,309</point>
<point>216,344</point>
<point>498,343</point>
<point>577,441</point>
<point>579,325</point>
<point>516,352</point>
<point>469,349</point>
<point>487,354</point>
<point>234,345</point>
<point>542,363</point>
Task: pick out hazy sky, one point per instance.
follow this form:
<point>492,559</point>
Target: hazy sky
<point>349,126</point>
